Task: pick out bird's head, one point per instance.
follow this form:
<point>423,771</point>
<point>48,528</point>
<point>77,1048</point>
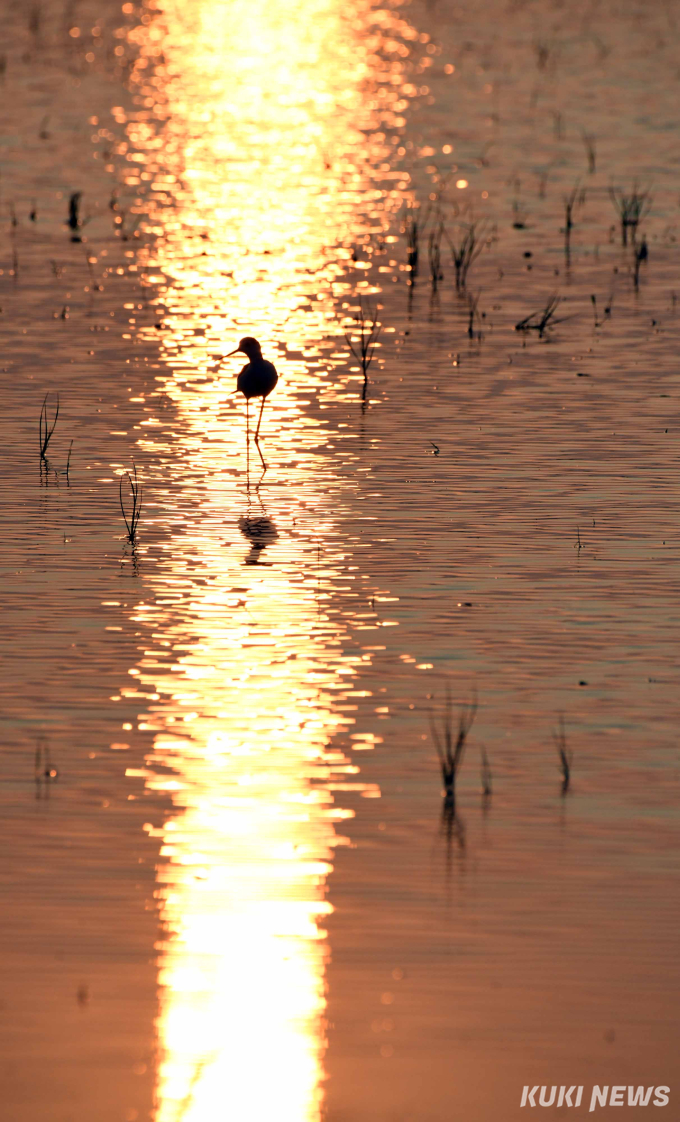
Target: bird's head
<point>248,346</point>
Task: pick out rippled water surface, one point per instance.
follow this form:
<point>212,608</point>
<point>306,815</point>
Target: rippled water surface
<point>231,887</point>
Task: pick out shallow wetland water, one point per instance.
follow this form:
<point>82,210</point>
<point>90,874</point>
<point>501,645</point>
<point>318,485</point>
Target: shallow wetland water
<point>240,895</point>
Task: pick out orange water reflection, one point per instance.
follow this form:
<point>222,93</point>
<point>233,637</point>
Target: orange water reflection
<point>264,137</point>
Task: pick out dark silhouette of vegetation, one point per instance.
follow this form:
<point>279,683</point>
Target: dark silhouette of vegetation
<point>450,751</point>
<point>465,252</point>
<point>641,254</point>
<point>363,338</point>
<point>564,754</point>
<point>47,429</point>
<point>132,523</point>
<point>486,776</point>
<point>589,145</point>
<point>73,221</point>
<point>412,230</point>
<point>541,321</point>
<point>631,209</point>
<point>434,247</point>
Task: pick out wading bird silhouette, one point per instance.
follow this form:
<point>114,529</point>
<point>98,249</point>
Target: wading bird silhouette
<point>257,379</point>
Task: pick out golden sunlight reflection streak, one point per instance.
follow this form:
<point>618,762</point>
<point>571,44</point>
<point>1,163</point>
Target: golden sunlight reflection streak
<point>242,964</point>
<point>263,162</point>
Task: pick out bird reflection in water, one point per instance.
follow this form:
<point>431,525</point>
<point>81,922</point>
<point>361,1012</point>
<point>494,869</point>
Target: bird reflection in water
<point>260,531</point>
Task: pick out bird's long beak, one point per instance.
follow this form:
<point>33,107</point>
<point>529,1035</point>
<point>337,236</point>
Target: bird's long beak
<point>235,352</point>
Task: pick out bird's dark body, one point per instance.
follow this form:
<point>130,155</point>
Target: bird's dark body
<point>257,379</point>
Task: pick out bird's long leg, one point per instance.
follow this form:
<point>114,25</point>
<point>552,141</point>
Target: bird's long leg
<point>247,437</point>
<point>257,434</point>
